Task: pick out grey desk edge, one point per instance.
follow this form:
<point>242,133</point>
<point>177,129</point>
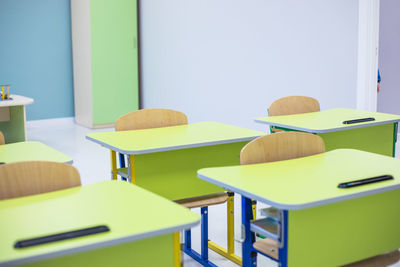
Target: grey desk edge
<point>170,148</point>
<point>297,206</point>
<point>308,130</point>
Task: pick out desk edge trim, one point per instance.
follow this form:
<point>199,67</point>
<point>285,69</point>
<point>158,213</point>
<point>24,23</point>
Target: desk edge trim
<point>171,148</point>
<point>326,130</point>
<point>298,206</point>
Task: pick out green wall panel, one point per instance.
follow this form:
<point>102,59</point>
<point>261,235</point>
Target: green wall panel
<point>114,59</point>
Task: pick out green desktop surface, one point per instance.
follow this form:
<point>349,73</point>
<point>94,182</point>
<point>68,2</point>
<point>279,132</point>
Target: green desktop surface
<point>377,136</point>
<point>30,150</point>
<point>172,138</point>
<point>328,120</point>
<point>309,181</point>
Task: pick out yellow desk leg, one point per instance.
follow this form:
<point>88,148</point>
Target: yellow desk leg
<point>177,250</point>
<point>230,210</point>
<point>114,164</point>
<point>131,169</point>
<point>254,209</point>
<point>230,252</point>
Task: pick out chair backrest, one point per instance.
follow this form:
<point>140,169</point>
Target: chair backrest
<point>150,118</point>
<point>2,140</point>
<point>281,146</point>
<point>35,177</point>
<point>293,105</point>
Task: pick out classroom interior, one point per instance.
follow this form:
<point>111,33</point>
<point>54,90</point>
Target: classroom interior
<point>215,61</point>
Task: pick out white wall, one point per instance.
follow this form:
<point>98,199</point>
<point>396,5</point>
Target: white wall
<point>389,56</point>
<point>227,60</point>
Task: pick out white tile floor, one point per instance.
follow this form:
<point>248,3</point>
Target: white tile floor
<point>93,163</point>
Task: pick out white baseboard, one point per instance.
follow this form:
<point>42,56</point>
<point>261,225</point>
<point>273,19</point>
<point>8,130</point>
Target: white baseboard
<point>49,123</point>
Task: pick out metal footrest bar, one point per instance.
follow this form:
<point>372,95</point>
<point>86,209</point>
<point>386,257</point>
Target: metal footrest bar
<point>187,247</point>
<point>196,256</point>
<point>224,252</point>
<point>228,253</point>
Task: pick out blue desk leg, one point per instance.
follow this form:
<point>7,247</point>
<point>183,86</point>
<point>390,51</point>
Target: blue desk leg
<point>249,256</point>
<point>204,233</point>
<point>187,247</point>
<point>395,138</point>
<point>188,240</point>
<point>122,163</point>
<point>283,257</point>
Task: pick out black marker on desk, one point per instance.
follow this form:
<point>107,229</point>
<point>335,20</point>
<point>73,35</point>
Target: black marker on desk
<point>358,120</point>
<point>366,181</point>
<point>62,236</point>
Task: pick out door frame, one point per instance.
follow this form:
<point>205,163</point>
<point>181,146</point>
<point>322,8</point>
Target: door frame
<point>368,47</point>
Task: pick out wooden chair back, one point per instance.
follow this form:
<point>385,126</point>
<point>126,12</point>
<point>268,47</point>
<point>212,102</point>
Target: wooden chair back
<point>293,105</point>
<point>281,146</point>
<point>35,177</point>
<point>2,140</point>
<point>150,118</point>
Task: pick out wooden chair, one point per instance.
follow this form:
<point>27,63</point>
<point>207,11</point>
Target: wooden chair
<point>35,177</point>
<point>146,119</point>
<point>150,118</point>
<point>275,147</point>
<point>292,105</point>
<point>156,118</point>
<point>289,145</point>
<point>281,146</point>
<point>2,140</point>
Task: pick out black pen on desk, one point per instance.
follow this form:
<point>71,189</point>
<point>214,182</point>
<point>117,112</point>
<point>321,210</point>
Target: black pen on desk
<point>359,120</point>
<point>365,181</point>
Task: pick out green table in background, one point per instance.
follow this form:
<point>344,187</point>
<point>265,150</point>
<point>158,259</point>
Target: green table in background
<point>378,136</point>
<point>13,118</point>
<point>141,232</point>
<point>31,150</point>
<point>165,160</point>
<point>320,224</point>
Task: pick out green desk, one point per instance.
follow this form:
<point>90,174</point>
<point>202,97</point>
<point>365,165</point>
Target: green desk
<point>13,118</point>
<point>141,232</point>
<point>165,160</point>
<point>377,136</point>
<point>30,150</point>
<point>321,225</point>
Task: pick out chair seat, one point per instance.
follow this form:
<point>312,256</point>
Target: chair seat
<point>203,201</point>
<point>382,260</point>
<point>268,247</point>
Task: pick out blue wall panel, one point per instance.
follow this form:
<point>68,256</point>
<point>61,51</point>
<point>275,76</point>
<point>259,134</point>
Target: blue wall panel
<point>36,55</point>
